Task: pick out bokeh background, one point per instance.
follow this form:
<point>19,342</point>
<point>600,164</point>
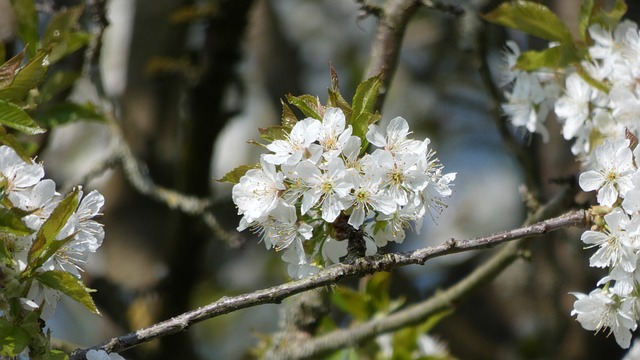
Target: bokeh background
<point>191,81</point>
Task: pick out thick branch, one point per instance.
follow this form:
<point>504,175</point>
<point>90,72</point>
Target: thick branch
<point>332,275</point>
<point>386,47</point>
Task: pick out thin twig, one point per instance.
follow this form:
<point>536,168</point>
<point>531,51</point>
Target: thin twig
<point>451,9</point>
<point>420,312</point>
<point>331,275</point>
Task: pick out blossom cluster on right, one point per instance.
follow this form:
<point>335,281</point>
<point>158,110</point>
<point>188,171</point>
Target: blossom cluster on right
<point>597,102</point>
<point>317,190</point>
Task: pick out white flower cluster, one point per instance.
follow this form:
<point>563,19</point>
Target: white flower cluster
<point>615,305</point>
<point>601,103</point>
<point>599,109</point>
<point>24,190</point>
<point>316,187</point>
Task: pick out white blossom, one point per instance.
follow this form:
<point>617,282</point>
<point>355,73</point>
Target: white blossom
<point>602,309</point>
<point>612,171</point>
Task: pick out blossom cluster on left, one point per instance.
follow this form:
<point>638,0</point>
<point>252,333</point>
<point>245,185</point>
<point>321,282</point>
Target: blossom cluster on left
<point>45,239</point>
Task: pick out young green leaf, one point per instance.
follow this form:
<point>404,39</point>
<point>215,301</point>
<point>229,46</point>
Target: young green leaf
<point>28,77</point>
<point>11,223</point>
<point>532,18</point>
<point>56,83</point>
<point>309,105</point>
<point>27,17</point>
<point>335,98</point>
<point>68,285</point>
<point>12,142</point>
<point>608,19</point>
<point>585,18</point>
<point>13,339</point>
<point>362,106</point>
<point>289,119</point>
<point>234,175</point>
<point>557,57</point>
<point>46,236</point>
<point>61,34</point>
<point>14,117</point>
<point>8,69</point>
<point>274,132</point>
<point>352,302</point>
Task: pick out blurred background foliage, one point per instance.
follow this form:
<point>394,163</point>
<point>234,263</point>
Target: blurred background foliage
<point>189,82</point>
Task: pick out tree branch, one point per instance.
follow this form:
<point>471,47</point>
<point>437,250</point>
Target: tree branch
<point>335,273</point>
<point>386,47</point>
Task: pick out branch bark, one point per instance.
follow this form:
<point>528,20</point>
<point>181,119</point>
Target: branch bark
<point>385,49</point>
<point>333,274</point>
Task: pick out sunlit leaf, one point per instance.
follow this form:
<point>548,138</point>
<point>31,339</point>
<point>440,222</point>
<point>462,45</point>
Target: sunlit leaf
<point>8,69</point>
<point>335,97</point>
<point>234,175</point>
<point>274,132</point>
<point>13,339</point>
<point>28,77</point>
<point>608,19</point>
<point>556,57</point>
<point>27,17</point>
<point>52,226</point>
<point>62,35</point>
<point>532,18</point>
<point>68,285</point>
<point>309,105</point>
<point>289,119</point>
<point>585,18</point>
<point>14,117</point>
<point>362,106</point>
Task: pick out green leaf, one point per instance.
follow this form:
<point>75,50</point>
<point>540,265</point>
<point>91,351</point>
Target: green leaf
<point>56,83</point>
<point>335,98</point>
<point>11,223</point>
<point>46,236</point>
<point>67,112</point>
<point>58,355</point>
<point>28,77</point>
<point>12,142</point>
<point>352,302</point>
<point>68,285</point>
<point>362,106</point>
<point>61,34</point>
<point>608,19</point>
<point>532,18</point>
<point>557,57</point>
<point>309,105</point>
<point>366,95</point>
<point>585,18</point>
<point>592,81</point>
<point>8,69</point>
<point>27,17</point>
<point>13,339</point>
<point>289,119</point>
<point>234,175</point>
<point>274,132</point>
<point>14,117</point>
